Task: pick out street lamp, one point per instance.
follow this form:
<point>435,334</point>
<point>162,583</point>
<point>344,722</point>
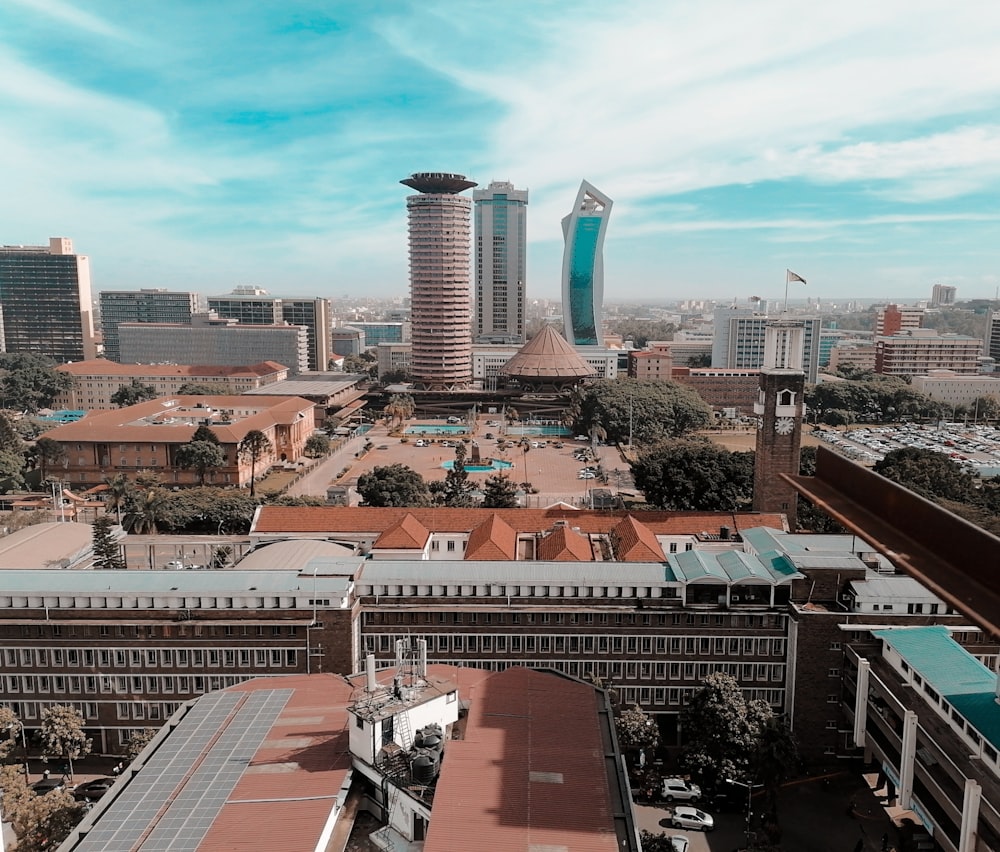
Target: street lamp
<point>749,788</point>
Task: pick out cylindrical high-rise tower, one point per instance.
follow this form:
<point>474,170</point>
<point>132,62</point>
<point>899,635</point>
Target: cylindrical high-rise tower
<point>440,303</point>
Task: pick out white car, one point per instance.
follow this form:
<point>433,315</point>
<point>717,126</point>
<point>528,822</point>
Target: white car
<point>586,474</point>
<point>687,817</point>
<point>678,843</point>
<point>681,790</point>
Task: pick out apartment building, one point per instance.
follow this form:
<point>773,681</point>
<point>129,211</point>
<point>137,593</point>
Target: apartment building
<point>156,306</point>
<point>97,380</point>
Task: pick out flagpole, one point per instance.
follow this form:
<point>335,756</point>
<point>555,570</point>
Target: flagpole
<point>784,310</point>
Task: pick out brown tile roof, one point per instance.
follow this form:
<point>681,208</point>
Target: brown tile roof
<point>494,538</point>
<point>635,542</point>
<point>405,534</point>
<point>132,425</point>
<point>530,772</point>
<point>547,356</point>
<point>329,520</point>
<point>565,545</point>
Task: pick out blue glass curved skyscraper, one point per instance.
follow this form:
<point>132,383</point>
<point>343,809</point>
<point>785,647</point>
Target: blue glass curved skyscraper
<point>583,266</point>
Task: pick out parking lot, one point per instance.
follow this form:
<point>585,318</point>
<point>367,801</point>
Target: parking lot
<point>977,447</point>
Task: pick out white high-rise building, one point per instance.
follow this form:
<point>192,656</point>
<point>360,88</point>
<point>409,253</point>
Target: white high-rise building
<point>583,266</point>
<point>441,304</point>
<point>501,236</point>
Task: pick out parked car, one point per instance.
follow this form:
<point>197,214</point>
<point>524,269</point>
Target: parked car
<point>47,785</point>
<point>680,790</point>
<point>678,843</point>
<point>420,443</point>
<point>91,791</point>
<point>454,419</point>
<point>686,816</point>
<point>489,436</point>
<point>175,565</point>
<point>586,474</point>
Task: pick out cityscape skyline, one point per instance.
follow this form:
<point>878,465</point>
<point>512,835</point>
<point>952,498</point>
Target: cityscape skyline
<point>205,147</point>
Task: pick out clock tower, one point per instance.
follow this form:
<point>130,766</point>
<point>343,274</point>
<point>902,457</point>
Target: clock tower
<point>779,409</point>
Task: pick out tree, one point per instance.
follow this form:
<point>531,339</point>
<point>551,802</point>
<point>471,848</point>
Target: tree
<point>254,446</point>
<point>808,516</point>
<point>985,408</point>
<point>393,485</point>
<point>29,382</point>
<point>499,493</point>
<point>221,556</point>
<point>775,753</point>
<point>44,822</point>
<point>721,731</point>
<point>525,446</point>
<point>118,492</point>
<point>205,389</point>
<point>133,393</point>
<point>137,742</point>
<point>694,474</point>
<point>931,474</point>
<point>63,735</point>
<point>204,433</point>
<point>10,731</point>
<point>395,377</point>
<point>203,456</point>
<point>317,445</point>
<point>46,451</point>
<point>647,410</point>
<point>637,730</point>
<point>456,490</point>
<point>107,554</point>
<point>147,508</point>
<point>400,407</point>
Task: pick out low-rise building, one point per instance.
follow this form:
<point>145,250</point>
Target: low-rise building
<point>97,380</point>
<point>949,387</point>
<point>925,711</point>
<point>147,436</point>
<point>917,352</point>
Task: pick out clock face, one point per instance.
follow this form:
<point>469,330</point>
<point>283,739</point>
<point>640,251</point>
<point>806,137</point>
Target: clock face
<point>784,425</point>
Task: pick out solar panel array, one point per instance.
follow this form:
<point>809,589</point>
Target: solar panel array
<point>172,803</point>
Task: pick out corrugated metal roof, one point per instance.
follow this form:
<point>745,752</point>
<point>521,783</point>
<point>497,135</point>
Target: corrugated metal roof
<point>530,772</point>
<point>952,672</point>
<point>300,554</point>
<point>732,566</point>
<point>168,582</point>
<point>424,573</point>
<point>894,587</point>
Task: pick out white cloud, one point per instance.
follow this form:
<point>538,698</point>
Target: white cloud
<point>64,13</point>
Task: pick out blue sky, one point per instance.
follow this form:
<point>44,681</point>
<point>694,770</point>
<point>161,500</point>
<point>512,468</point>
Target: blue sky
<point>199,144</point>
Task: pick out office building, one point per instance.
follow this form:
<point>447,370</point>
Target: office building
<point>858,354</point>
<point>440,303</point>
<point>383,332</point>
<point>950,388</point>
<point>348,340</point>
<point>892,319</point>
<point>210,340</point>
<point>146,437</point>
<point>991,346</point>
<point>46,301</point>
<point>739,340</point>
<point>501,270</point>
<point>95,382</point>
<point>583,267</point>
<point>159,306</point>
<point>435,758</point>
<point>942,296</point>
<point>394,358</point>
<point>917,352</point>
<point>253,306</point>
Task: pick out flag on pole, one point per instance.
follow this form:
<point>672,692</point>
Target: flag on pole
<point>791,276</point>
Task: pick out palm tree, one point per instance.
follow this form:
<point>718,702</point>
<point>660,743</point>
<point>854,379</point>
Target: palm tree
<point>118,490</point>
<point>254,446</point>
<point>149,511</point>
<point>399,408</point>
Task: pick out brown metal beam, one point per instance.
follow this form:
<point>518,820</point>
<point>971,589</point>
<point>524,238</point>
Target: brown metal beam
<point>958,561</point>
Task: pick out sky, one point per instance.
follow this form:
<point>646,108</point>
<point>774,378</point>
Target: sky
<point>201,145</point>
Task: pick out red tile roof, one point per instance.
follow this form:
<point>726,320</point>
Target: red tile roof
<point>103,367</point>
<point>635,542</point>
<point>530,772</point>
<point>405,534</point>
<point>565,545</point>
<point>329,520</point>
<point>494,538</point>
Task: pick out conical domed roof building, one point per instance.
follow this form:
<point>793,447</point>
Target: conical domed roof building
<point>547,362</point>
